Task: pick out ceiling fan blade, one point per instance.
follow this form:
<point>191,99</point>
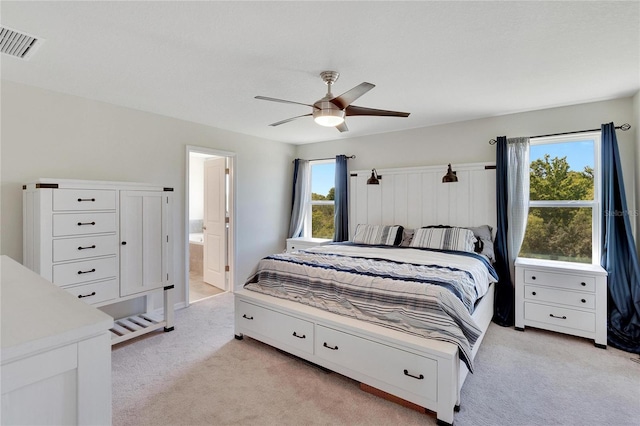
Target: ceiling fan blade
<point>342,127</point>
<point>356,110</point>
<point>349,96</point>
<point>265,98</point>
<point>289,119</point>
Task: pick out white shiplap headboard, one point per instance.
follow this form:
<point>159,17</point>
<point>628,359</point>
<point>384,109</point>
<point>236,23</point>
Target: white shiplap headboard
<point>415,197</point>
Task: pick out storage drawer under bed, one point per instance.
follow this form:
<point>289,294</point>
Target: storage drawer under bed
<point>396,367</point>
<point>291,331</point>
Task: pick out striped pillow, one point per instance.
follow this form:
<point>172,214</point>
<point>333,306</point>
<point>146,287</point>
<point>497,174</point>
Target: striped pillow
<point>378,235</point>
<point>459,239</point>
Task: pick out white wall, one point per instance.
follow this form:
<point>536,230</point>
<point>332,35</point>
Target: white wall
<point>196,187</point>
<point>467,142</point>
<point>48,134</point>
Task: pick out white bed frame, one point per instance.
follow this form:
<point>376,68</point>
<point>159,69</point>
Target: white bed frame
<point>425,372</point>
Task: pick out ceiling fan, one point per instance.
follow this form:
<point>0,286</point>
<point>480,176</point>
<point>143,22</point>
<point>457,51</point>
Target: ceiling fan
<point>331,111</point>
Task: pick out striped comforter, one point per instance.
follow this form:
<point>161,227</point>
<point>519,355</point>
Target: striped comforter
<point>418,291</point>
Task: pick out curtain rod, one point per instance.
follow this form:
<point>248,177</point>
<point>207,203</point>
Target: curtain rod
<point>624,128</point>
<point>330,158</point>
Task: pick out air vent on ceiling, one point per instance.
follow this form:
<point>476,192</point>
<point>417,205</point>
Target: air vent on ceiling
<point>18,44</point>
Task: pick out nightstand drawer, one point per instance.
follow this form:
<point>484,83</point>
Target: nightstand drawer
<point>302,243</point>
<point>83,223</point>
<point>83,199</point>
<point>571,298</point>
<point>563,281</point>
<point>558,316</point>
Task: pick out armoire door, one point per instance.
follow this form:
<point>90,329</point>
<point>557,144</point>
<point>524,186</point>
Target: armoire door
<point>143,241</point>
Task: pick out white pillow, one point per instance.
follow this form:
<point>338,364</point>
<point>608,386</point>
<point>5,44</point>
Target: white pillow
<point>378,235</point>
<point>459,239</point>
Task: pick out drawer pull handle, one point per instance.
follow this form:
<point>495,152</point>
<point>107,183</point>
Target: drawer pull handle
<point>245,316</point>
<point>534,293</point>
<point>86,199</point>
<point>304,336</point>
<point>86,272</point>
<point>555,316</point>
<point>80,296</point>
<point>583,300</point>
<point>420,377</point>
<point>333,348</point>
<point>86,248</point>
<point>86,223</point>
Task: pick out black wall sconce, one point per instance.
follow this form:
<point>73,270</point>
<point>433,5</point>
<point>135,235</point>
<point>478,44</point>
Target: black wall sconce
<point>450,176</point>
<point>374,179</point>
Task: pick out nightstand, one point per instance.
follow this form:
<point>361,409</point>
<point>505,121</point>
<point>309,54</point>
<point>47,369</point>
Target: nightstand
<point>564,297</point>
<point>302,243</point>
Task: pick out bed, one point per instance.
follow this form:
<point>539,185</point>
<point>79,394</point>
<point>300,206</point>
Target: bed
<point>400,318</point>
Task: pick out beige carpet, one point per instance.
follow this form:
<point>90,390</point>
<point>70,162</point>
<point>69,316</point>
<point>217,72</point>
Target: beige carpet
<point>200,375</point>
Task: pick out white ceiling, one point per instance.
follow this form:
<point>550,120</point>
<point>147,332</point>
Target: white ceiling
<point>441,61</point>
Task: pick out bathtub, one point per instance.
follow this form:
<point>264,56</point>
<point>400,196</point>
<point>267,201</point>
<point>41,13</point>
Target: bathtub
<point>196,252</point>
<point>196,238</point>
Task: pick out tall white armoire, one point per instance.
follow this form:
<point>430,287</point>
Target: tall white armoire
<point>104,242</point>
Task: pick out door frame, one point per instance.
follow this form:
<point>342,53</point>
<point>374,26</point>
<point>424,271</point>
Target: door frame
<point>231,242</point>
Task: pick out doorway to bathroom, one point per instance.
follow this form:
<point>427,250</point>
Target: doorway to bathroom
<point>209,223</point>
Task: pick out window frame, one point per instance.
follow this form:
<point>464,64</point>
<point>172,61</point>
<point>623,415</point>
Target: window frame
<point>308,220</point>
<point>595,204</point>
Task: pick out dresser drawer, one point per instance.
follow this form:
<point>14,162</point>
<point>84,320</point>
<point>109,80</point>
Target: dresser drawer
<point>97,292</point>
<point>286,329</point>
<point>391,365</point>
<point>84,199</point>
<point>84,247</point>
<point>563,281</point>
<point>558,316</point>
<point>83,223</point>
<point>552,295</point>
<point>83,271</point>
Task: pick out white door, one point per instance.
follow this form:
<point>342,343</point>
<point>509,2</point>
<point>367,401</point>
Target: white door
<point>215,226</point>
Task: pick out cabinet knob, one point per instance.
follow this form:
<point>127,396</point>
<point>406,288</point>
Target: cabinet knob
<point>533,277</point>
<point>583,300</point>
<point>583,284</point>
<point>124,243</point>
<point>534,293</point>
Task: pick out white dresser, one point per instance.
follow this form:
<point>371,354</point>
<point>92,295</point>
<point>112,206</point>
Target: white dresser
<point>103,242</point>
<point>56,353</point>
<point>565,297</point>
<point>302,243</point>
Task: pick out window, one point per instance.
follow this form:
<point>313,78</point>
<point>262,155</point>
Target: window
<point>564,206</point>
<point>319,222</point>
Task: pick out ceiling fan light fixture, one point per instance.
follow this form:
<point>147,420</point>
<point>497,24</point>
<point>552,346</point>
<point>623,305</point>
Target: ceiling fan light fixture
<point>328,117</point>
